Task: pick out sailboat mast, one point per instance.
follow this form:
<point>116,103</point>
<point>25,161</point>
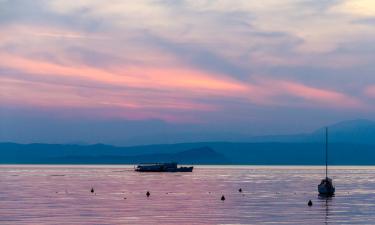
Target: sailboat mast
<point>326,152</point>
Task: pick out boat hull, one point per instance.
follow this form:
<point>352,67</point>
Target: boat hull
<point>182,169</point>
<point>162,167</point>
<point>326,187</point>
<point>325,191</point>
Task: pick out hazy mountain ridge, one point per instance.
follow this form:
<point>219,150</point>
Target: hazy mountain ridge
<point>193,153</point>
<point>204,155</point>
<point>351,131</point>
<point>351,143</point>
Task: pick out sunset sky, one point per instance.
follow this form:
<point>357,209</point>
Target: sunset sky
<point>134,72</point>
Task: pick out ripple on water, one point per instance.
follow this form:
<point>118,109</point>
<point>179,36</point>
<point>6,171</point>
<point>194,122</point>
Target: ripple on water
<point>61,195</point>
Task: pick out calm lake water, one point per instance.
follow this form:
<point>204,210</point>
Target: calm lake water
<point>61,195</point>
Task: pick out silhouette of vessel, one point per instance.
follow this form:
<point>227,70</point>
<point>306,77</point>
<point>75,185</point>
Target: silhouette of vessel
<point>162,167</point>
<point>326,187</point>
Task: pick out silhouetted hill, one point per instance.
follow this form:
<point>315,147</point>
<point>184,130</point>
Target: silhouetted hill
<point>352,131</point>
<point>102,154</point>
<point>192,153</point>
<point>350,143</point>
<point>204,155</point>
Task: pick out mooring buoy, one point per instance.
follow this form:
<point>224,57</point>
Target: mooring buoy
<point>240,190</point>
<point>148,194</point>
<point>92,190</point>
<point>222,198</point>
<point>310,203</point>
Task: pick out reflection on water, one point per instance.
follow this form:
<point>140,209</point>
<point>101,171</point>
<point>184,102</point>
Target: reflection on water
<point>62,195</point>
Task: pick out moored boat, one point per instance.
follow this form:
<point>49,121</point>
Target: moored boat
<point>326,187</point>
<point>162,167</point>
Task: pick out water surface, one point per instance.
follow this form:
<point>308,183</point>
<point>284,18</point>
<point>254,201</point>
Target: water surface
<point>61,195</point>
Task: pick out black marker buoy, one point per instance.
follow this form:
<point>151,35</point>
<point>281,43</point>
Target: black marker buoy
<point>240,190</point>
<point>222,198</point>
<point>92,190</point>
<point>148,194</point>
<point>309,203</point>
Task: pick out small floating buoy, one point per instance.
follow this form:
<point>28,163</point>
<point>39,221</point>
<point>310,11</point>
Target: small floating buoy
<point>240,190</point>
<point>309,203</point>
<point>124,197</point>
<point>92,190</point>
<point>222,198</point>
<point>148,194</point>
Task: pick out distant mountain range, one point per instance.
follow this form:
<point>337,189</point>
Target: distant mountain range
<point>353,131</point>
<point>351,143</point>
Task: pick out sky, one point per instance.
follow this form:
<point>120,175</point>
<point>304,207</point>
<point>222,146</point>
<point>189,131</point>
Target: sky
<point>163,71</point>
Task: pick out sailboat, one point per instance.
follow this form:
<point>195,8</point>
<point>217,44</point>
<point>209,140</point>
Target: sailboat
<point>326,187</point>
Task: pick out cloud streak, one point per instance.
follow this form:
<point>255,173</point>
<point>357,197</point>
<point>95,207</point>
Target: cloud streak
<point>129,59</point>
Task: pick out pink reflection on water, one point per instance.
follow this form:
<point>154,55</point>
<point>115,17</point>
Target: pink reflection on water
<point>61,195</point>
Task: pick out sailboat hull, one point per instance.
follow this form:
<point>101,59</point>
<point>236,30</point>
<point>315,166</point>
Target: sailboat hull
<point>327,191</point>
<point>326,187</point>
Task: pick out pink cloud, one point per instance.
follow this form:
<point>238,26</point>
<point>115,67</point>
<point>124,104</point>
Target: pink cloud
<point>370,91</point>
<point>152,92</point>
<point>327,98</point>
<point>182,79</point>
<point>133,92</point>
<point>52,95</point>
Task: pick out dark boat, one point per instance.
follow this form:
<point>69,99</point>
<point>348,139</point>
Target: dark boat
<point>326,187</point>
<point>162,167</point>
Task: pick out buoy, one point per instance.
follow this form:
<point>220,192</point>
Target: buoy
<point>148,194</point>
<point>309,203</point>
<point>92,190</point>
<point>240,190</point>
<point>222,198</point>
<point>125,198</point>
